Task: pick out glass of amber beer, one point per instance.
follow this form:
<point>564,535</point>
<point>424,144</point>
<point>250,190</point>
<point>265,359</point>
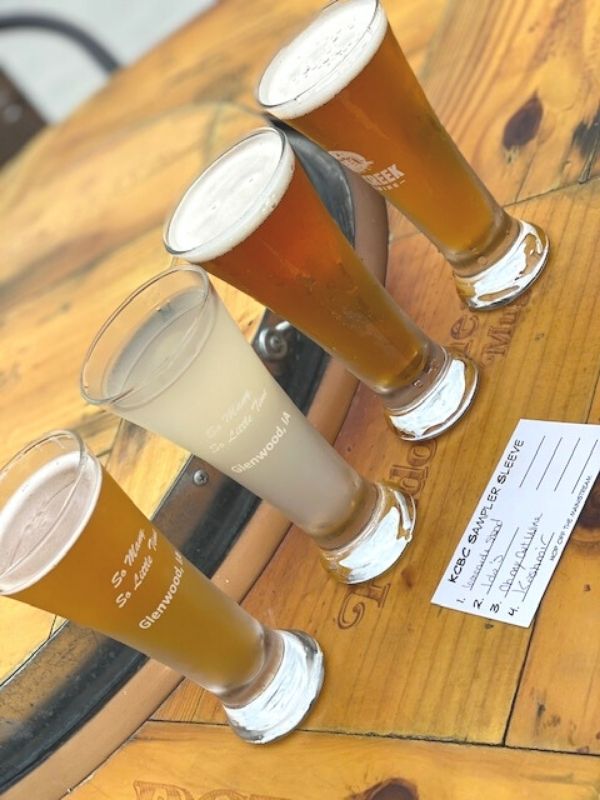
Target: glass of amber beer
<point>172,360</point>
<point>254,219</point>
<point>344,82</point>
<point>74,544</point>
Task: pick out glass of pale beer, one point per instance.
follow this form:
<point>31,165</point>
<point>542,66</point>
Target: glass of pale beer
<point>172,360</point>
<point>344,82</point>
<point>254,219</point>
<point>74,544</point>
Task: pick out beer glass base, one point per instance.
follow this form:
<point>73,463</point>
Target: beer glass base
<point>441,405</point>
<point>287,698</point>
<point>381,541</point>
<point>510,275</point>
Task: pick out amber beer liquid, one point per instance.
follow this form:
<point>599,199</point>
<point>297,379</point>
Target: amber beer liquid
<point>325,288</point>
<point>293,258</point>
<point>111,570</point>
<point>71,542</point>
<point>416,163</point>
<point>254,219</point>
<point>345,82</point>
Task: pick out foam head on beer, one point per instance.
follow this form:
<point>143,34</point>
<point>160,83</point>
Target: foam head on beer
<point>232,197</point>
<point>43,511</point>
<point>323,58</point>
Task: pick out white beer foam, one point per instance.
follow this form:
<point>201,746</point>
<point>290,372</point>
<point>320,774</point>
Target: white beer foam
<point>40,522</point>
<point>323,59</point>
<point>232,197</point>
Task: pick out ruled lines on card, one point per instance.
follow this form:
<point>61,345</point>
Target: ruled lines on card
<point>513,542</point>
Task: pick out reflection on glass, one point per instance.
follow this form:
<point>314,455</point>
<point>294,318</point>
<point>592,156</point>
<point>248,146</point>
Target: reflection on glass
<point>172,360</point>
<point>254,219</point>
<point>344,82</point>
<point>73,543</point>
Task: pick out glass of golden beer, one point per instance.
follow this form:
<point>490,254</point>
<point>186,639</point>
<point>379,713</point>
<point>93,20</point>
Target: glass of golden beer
<point>254,219</point>
<point>172,360</point>
<point>74,544</point>
<point>345,83</point>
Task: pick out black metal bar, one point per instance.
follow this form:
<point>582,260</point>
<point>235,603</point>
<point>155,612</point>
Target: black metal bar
<point>56,25</point>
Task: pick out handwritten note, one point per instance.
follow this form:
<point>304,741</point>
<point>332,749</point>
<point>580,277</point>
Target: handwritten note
<point>514,540</point>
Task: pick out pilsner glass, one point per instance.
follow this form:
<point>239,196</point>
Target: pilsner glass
<point>74,544</point>
<point>172,360</point>
<point>254,219</point>
<point>344,82</point>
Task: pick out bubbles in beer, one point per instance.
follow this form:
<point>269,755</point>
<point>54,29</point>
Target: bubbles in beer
<point>324,58</point>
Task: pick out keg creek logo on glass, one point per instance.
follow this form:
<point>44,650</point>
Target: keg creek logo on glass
<point>389,178</point>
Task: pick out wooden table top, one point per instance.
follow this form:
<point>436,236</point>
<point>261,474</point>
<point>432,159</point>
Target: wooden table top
<point>419,702</point>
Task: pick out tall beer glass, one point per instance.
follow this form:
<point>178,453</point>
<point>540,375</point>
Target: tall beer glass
<point>254,219</point>
<point>74,544</point>
<point>172,360</point>
<point>345,82</point>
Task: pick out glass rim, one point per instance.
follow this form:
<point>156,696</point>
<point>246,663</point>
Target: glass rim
<point>104,399</point>
<point>325,79</point>
<point>190,252</point>
<point>15,461</point>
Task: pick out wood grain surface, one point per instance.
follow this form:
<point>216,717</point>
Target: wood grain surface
<point>81,211</point>
<point>445,674</point>
<point>81,216</point>
<point>191,762</point>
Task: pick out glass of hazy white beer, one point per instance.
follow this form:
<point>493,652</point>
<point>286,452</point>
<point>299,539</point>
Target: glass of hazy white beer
<point>74,544</point>
<point>254,219</point>
<point>344,82</point>
<point>172,360</point>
